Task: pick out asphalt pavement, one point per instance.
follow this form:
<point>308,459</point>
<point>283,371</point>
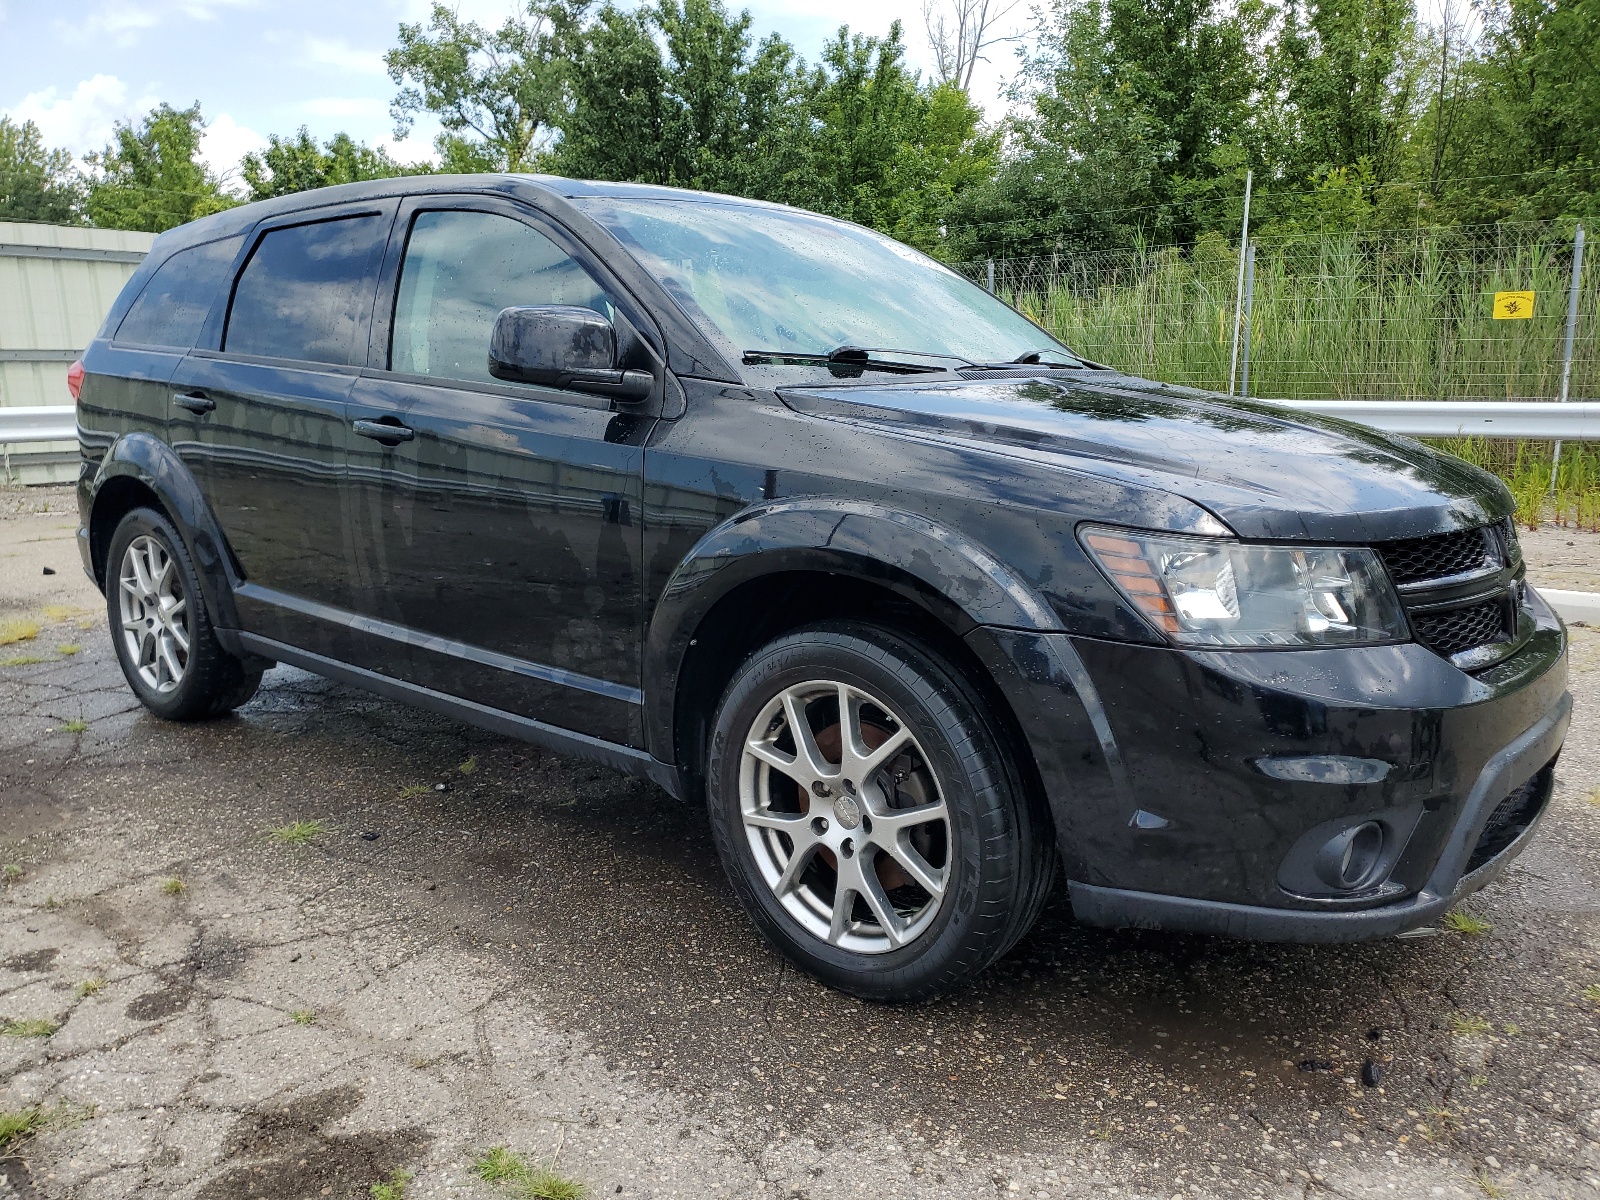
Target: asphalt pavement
<point>480,945</point>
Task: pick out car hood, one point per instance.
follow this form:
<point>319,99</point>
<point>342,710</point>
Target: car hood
<point>1268,471</point>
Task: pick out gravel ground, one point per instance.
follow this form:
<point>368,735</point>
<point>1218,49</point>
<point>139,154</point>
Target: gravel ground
<point>486,945</point>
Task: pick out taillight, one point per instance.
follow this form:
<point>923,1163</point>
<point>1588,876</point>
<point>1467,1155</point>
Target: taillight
<point>75,379</point>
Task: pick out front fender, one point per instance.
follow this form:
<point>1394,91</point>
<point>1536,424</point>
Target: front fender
<point>960,581</point>
<point>146,459</point>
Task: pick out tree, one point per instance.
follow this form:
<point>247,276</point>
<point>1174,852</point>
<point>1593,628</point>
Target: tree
<point>1137,117</point>
<point>1349,75</point>
<point>298,164</point>
<point>678,93</point>
<point>959,31</point>
<point>36,184</point>
<point>1524,144</point>
<point>150,177</point>
<point>500,96</point>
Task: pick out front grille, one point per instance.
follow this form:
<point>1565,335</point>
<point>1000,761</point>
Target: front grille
<point>1412,559</point>
<point>1457,629</point>
<point>1510,817</point>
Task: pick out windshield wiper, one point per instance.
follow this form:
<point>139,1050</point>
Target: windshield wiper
<point>858,356</point>
<point>1036,358</point>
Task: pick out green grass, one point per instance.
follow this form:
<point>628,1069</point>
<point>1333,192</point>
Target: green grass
<point>1459,920</point>
<point>20,1125</point>
<point>76,725</point>
<point>468,767</point>
<point>1592,993</point>
<point>297,833</point>
<point>18,630</point>
<point>1469,1024</point>
<point>90,987</point>
<point>518,1179</point>
<point>173,887</point>
<point>412,790</point>
<point>11,872</point>
<point>17,1126</point>
<point>23,660</point>
<point>303,1016</point>
<point>28,1027</point>
<point>392,1188</point>
<point>69,649</point>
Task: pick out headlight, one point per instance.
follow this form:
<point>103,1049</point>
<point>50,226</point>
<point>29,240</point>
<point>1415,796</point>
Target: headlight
<point>1218,592</point>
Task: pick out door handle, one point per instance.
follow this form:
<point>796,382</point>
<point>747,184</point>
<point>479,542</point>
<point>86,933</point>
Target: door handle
<point>386,430</point>
<point>195,402</point>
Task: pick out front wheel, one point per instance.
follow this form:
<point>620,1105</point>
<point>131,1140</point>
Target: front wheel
<point>169,653</point>
<point>868,817</point>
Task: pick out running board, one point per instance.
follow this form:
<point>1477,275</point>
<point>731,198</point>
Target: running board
<point>638,763</point>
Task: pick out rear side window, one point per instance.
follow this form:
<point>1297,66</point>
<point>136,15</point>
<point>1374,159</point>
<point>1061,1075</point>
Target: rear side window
<point>176,299</point>
<point>307,291</point>
<point>460,270</point>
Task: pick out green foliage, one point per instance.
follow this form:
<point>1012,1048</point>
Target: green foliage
<point>678,92</point>
<point>522,1181</point>
<point>392,1188</point>
<point>298,164</point>
<point>297,833</point>
<point>499,94</point>
<point>150,177</point>
<point>36,183</point>
<point>1459,920</point>
<point>28,1027</point>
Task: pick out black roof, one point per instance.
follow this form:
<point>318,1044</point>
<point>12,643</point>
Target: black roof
<point>527,187</point>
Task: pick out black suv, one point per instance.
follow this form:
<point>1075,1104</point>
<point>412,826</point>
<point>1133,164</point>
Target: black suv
<point>769,507</point>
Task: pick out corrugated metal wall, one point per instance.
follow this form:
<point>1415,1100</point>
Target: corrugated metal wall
<point>56,284</point>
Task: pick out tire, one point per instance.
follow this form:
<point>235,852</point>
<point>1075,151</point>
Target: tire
<point>944,858</point>
<point>153,604</point>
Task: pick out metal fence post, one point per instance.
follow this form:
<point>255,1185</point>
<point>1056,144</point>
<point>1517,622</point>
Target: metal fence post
<point>1238,294</point>
<point>991,277</point>
<point>1249,303</point>
<point>1572,328</point>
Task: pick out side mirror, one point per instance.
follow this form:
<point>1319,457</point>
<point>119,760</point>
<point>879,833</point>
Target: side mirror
<point>562,346</point>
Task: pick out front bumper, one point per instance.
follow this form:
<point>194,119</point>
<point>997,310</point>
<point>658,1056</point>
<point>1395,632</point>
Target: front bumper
<point>1183,799</point>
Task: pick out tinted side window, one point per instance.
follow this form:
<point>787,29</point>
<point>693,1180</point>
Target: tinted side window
<point>175,300</point>
<point>460,270</point>
<point>307,290</point>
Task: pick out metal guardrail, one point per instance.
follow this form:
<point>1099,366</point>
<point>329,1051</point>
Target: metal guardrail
<point>1578,421</point>
<point>49,423</point>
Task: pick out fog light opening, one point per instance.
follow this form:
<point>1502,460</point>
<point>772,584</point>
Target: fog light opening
<point>1350,858</point>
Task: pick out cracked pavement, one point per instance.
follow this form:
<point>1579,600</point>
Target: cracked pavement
<point>487,945</point>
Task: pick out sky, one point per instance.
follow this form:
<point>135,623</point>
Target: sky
<point>270,66</point>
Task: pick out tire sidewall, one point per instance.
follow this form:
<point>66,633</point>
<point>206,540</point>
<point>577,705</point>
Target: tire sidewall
<point>179,703</point>
<point>972,790</point>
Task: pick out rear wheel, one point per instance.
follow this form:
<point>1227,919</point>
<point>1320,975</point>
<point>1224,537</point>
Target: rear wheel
<point>163,636</point>
<point>868,817</point>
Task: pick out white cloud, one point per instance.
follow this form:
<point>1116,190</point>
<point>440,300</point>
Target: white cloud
<point>225,142</point>
<point>346,106</point>
<point>82,121</point>
<point>345,57</point>
<point>124,21</point>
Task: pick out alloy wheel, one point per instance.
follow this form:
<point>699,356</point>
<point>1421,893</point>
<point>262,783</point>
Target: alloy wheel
<point>155,614</point>
<point>845,817</point>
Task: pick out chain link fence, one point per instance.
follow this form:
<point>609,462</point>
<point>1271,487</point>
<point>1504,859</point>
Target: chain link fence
<point>1381,315</point>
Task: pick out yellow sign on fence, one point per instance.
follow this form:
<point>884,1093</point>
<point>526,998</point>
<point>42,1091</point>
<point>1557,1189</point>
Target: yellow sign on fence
<point>1513,306</point>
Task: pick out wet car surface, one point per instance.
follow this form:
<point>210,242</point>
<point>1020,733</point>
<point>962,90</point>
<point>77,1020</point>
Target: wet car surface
<point>501,947</point>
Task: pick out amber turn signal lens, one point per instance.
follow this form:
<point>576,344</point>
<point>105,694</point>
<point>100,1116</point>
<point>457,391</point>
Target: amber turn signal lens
<point>1125,562</point>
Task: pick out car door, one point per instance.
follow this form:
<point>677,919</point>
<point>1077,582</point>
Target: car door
<point>260,414</point>
<point>498,536</point>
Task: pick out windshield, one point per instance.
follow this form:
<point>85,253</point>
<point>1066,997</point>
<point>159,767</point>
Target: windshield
<point>777,281</point>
